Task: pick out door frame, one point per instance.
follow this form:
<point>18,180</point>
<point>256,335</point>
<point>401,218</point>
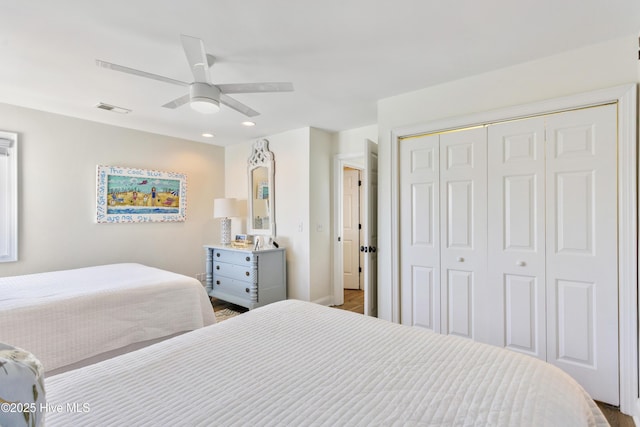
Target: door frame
<point>340,161</point>
<point>625,97</point>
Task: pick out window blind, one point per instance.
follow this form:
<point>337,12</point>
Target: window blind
<point>5,144</point>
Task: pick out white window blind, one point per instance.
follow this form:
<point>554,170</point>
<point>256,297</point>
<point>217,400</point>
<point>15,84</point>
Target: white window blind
<point>5,144</point>
<point>8,196</point>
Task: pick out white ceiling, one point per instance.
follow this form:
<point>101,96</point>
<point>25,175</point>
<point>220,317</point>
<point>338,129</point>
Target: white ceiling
<point>341,55</point>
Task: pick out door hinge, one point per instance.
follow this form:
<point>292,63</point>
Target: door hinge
<point>339,239</point>
<point>359,226</point>
<point>359,269</point>
<point>359,183</point>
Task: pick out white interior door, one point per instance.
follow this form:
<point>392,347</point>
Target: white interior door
<point>351,228</point>
<point>581,240</point>
<point>370,229</point>
<point>463,227</point>
<point>516,241</point>
<point>420,232</point>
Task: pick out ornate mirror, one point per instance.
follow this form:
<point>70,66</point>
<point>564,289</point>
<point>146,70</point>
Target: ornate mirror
<point>261,198</point>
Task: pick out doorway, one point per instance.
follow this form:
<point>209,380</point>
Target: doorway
<point>365,163</point>
<point>352,238</point>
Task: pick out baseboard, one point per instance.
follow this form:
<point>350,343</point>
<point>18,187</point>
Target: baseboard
<point>326,301</point>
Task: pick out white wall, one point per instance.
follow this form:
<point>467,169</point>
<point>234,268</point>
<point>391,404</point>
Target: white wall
<point>236,181</point>
<point>352,140</point>
<point>291,153</point>
<point>320,216</point>
<point>594,67</point>
<point>302,202</point>
<point>57,195</point>
<point>291,150</point>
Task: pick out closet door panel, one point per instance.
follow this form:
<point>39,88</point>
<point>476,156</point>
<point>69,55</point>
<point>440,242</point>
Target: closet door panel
<point>521,314</point>
<point>516,250</point>
<point>582,277</point>
<point>463,213</point>
<point>420,232</point>
<point>460,303</point>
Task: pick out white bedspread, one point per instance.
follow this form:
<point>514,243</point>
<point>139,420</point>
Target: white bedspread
<point>66,316</point>
<point>295,363</point>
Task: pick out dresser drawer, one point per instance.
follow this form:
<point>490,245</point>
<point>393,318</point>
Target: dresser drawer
<point>233,271</point>
<point>233,257</point>
<point>234,287</point>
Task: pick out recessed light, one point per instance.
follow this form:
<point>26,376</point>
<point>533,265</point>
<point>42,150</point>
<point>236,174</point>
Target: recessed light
<point>113,108</point>
<point>207,135</point>
<point>248,123</point>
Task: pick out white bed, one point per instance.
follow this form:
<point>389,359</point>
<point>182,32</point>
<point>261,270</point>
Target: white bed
<point>295,363</point>
<point>65,317</point>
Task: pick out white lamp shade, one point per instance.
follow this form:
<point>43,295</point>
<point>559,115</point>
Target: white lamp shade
<point>225,208</point>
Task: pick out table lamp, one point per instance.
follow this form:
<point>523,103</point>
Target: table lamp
<point>225,208</point>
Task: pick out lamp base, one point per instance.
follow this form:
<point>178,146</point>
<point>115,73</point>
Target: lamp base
<point>225,231</point>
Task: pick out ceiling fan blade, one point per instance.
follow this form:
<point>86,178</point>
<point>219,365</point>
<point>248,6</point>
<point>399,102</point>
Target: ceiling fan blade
<point>255,87</point>
<point>238,106</point>
<point>178,102</point>
<point>211,60</point>
<point>135,72</point>
<point>197,57</point>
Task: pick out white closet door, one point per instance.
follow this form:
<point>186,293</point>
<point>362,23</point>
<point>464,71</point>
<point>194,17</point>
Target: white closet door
<point>463,243</point>
<point>516,260</point>
<point>420,232</point>
<point>582,277</point>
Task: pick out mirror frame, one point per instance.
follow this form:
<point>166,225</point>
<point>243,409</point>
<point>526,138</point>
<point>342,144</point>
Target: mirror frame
<point>261,157</point>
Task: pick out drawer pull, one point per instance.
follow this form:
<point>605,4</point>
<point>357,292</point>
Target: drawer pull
<point>217,282</point>
<point>218,254</point>
<point>217,267</point>
<point>248,259</point>
<point>247,274</point>
<point>246,290</point>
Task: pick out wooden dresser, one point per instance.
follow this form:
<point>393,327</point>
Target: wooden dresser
<point>246,277</point>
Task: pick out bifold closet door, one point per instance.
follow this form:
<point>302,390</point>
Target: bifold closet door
<point>516,256</point>
<point>463,228</point>
<point>420,232</point>
<point>443,216</point>
<point>581,246</point>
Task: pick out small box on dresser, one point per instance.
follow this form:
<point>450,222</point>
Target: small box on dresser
<point>246,277</point>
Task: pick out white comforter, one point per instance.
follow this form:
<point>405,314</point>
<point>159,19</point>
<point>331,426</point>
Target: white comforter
<point>63,317</point>
<point>295,363</point>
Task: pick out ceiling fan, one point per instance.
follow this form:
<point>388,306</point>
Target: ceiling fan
<point>203,95</point>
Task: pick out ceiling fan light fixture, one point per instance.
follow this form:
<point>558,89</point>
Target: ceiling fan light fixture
<point>205,98</point>
<point>205,105</point>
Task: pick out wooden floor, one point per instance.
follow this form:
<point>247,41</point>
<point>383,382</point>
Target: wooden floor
<point>354,301</point>
<point>615,418</point>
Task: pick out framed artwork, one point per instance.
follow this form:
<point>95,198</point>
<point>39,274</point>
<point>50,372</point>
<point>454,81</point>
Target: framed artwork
<point>140,195</point>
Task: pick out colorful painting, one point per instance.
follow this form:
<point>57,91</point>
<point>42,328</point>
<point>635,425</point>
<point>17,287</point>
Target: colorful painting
<point>140,195</point>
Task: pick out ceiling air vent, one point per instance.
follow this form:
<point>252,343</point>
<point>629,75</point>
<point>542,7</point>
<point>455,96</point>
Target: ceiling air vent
<point>113,108</point>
